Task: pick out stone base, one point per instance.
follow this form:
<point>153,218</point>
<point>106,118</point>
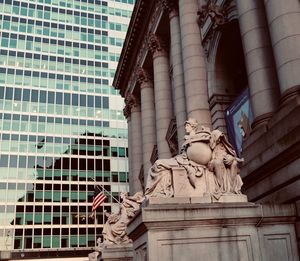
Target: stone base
<point>214,232</point>
<point>204,199</point>
<point>117,252</point>
<point>231,198</point>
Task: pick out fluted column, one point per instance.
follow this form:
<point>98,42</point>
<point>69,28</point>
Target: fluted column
<point>135,128</point>
<point>261,70</point>
<point>284,20</point>
<point>162,93</point>
<point>195,75</point>
<point>178,78</point>
<point>148,118</point>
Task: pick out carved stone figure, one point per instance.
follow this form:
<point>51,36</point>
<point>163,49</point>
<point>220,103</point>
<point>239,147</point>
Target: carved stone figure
<point>114,230</point>
<point>194,154</point>
<point>206,162</point>
<point>224,164</point>
<point>206,156</point>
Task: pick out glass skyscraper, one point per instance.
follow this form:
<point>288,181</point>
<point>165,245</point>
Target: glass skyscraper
<point>62,128</point>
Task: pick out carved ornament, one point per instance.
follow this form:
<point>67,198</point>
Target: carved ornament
<point>130,102</point>
<point>156,44</point>
<point>217,14</point>
<point>169,5</point>
<point>143,75</point>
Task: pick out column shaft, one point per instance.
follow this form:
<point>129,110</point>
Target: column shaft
<point>148,124</point>
<point>194,64</point>
<point>136,153</point>
<point>163,101</point>
<point>284,20</point>
<point>178,78</point>
<point>261,70</point>
<point>131,186</point>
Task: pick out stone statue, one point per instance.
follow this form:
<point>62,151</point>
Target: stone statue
<point>224,164</point>
<point>195,153</point>
<point>114,230</point>
<point>208,162</point>
<point>207,158</point>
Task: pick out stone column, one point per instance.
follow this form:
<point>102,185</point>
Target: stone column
<point>261,70</point>
<point>135,128</point>
<point>194,64</point>
<point>284,25</point>
<point>148,118</point>
<point>162,93</point>
<point>127,114</point>
<point>178,78</point>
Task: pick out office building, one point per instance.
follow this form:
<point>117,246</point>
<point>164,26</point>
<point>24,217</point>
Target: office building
<point>62,129</point>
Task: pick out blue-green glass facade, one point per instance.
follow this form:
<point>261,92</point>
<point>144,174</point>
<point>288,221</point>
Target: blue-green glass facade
<point>62,128</point>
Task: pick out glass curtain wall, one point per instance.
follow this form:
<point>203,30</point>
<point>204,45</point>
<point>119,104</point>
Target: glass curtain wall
<point>62,128</point>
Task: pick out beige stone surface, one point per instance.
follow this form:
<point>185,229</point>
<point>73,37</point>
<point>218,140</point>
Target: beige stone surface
<point>214,232</point>
<point>117,253</point>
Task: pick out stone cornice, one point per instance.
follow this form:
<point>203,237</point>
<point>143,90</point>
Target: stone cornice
<point>144,21</point>
<point>134,38</point>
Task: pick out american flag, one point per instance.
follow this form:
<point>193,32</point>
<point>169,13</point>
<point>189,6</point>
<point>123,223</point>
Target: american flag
<point>99,198</point>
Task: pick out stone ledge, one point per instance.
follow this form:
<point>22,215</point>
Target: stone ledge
<point>117,252</point>
<point>192,200</point>
<point>210,214</point>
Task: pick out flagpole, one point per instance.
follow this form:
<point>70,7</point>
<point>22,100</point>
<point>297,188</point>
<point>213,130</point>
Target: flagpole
<point>101,186</point>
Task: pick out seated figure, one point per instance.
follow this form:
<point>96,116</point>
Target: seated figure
<point>159,183</point>
<point>203,152</point>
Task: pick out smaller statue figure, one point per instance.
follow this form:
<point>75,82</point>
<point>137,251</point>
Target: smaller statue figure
<point>224,164</point>
<point>114,230</point>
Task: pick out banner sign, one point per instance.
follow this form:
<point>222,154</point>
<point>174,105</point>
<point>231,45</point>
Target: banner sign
<point>239,118</point>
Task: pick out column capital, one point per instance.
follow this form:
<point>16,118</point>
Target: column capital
<point>143,76</point>
<point>131,104</point>
<point>171,6</point>
<point>156,44</point>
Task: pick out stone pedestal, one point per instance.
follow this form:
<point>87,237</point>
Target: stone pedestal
<point>117,252</point>
<point>203,191</point>
<point>180,231</point>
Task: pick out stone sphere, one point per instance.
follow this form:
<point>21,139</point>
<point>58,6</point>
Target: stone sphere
<point>199,152</point>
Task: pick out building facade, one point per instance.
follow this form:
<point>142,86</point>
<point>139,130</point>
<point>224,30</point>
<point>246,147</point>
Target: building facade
<point>61,124</point>
<point>231,64</point>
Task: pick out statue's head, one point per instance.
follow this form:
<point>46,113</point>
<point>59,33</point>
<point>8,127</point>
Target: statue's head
<point>191,123</point>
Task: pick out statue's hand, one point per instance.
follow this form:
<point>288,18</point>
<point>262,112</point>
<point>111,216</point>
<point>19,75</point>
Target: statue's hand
<point>228,159</point>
